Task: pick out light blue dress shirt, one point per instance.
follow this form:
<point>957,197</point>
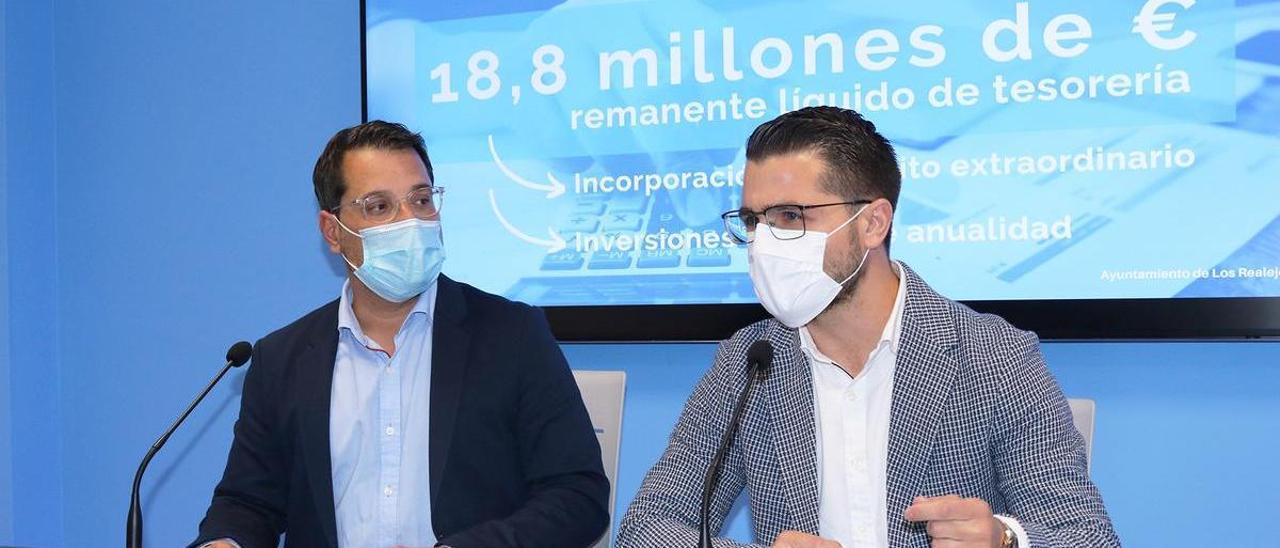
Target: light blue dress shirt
<point>378,431</point>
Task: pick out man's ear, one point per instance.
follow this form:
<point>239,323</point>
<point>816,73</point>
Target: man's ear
<point>329,230</point>
<point>878,221</point>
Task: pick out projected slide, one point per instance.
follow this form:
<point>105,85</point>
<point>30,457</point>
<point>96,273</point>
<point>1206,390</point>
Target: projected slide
<point>1064,149</point>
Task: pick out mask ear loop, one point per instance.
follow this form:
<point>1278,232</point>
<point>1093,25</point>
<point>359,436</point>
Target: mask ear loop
<point>859,269</point>
<point>851,219</point>
<point>349,231</point>
<point>864,254</point>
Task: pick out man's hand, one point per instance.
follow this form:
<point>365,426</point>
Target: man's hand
<point>956,522</point>
<point>796,539</point>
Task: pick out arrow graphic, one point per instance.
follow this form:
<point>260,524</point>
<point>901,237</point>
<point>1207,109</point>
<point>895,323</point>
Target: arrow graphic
<point>556,243</point>
<point>553,190</point>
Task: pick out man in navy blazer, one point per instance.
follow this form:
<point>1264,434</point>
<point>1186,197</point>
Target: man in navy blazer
<point>414,410</point>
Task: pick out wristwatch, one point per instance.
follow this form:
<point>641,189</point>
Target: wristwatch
<point>1008,539</point>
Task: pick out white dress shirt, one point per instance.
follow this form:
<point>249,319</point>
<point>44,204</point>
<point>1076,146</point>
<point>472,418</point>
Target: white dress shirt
<point>852,421</point>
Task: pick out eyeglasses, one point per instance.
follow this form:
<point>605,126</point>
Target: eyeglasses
<point>377,207</point>
<point>741,224</point>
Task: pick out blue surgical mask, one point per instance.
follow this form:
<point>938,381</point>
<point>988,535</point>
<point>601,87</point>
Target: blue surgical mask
<point>401,259</point>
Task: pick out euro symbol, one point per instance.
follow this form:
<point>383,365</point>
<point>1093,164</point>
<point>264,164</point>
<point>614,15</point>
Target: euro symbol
<point>1151,25</point>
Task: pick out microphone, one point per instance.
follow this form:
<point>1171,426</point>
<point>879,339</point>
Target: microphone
<point>759,357</point>
<point>237,355</point>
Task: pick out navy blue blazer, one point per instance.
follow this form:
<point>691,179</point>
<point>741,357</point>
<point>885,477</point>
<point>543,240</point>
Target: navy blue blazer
<point>514,460</point>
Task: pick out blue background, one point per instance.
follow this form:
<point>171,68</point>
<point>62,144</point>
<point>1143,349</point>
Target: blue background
<point>155,167</point>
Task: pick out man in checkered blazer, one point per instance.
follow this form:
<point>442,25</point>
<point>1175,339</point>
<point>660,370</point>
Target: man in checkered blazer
<point>890,415</point>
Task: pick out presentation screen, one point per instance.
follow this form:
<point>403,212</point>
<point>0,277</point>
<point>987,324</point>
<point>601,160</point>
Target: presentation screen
<point>1087,167</point>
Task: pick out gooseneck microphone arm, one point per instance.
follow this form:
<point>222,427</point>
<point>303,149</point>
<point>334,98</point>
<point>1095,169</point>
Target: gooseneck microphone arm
<point>759,357</point>
<point>237,355</point>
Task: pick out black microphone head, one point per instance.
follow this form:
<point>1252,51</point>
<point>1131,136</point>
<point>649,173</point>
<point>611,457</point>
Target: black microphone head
<point>239,353</point>
<point>760,356</point>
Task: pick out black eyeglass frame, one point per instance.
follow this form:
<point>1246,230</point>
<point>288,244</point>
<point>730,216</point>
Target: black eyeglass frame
<point>738,214</point>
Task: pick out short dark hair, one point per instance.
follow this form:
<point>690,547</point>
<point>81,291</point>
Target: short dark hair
<point>860,163</point>
<point>327,177</point>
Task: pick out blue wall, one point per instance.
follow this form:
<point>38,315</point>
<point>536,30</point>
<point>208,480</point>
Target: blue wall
<point>6,430</point>
<point>36,463</point>
<point>157,207</point>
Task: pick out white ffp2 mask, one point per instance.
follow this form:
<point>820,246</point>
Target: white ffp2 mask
<point>787,274</point>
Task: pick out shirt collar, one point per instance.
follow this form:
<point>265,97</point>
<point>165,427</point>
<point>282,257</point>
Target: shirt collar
<point>425,307</point>
<point>892,328</point>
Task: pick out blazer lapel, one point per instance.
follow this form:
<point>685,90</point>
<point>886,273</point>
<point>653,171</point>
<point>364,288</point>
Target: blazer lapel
<point>449,347</point>
<point>923,377</point>
<point>316,387</point>
<point>789,387</point>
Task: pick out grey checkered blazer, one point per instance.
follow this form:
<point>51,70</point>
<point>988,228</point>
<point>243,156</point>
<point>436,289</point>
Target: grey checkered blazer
<point>975,413</point>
